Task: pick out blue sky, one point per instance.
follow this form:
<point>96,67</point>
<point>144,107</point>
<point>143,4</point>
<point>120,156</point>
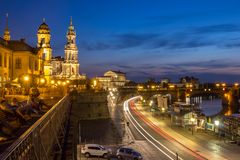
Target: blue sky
<point>144,38</point>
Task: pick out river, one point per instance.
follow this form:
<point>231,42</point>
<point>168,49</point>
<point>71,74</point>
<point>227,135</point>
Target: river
<point>210,106</point>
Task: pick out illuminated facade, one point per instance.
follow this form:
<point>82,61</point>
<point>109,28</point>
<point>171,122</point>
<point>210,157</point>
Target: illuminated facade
<point>18,59</point>
<point>70,66</point>
<point>112,79</point>
<point>45,50</point>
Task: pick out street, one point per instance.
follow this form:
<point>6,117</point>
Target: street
<point>168,142</point>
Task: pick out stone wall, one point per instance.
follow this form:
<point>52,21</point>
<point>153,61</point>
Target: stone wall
<point>90,105</point>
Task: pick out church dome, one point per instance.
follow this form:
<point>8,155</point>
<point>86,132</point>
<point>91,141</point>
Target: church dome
<point>43,28</point>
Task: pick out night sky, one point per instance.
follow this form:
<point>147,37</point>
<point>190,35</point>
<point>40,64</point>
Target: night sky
<point>144,38</point>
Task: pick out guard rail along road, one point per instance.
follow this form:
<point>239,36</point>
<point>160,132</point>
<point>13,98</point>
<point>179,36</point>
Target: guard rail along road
<point>38,141</point>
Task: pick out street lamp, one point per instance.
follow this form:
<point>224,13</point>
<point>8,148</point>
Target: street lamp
<point>150,103</point>
<point>52,81</point>
<point>216,122</point>
<point>163,110</point>
<point>192,120</point>
<point>26,78</point>
<point>236,84</point>
<point>42,80</point>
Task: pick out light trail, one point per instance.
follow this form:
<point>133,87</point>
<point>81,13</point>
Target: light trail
<point>130,117</point>
<point>167,136</point>
<point>155,128</point>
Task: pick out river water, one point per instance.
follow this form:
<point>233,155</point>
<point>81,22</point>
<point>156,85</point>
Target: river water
<point>209,107</point>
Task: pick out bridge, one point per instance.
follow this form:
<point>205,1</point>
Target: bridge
<point>176,93</point>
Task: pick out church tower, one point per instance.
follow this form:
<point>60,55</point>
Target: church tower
<point>71,64</point>
<point>44,38</point>
<point>45,50</point>
<point>6,35</point>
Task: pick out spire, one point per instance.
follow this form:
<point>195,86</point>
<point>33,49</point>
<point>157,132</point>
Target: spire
<point>71,28</point>
<point>6,35</point>
<point>6,21</point>
<point>44,20</point>
<point>71,21</point>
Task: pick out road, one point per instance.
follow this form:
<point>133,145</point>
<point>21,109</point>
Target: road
<point>163,146</point>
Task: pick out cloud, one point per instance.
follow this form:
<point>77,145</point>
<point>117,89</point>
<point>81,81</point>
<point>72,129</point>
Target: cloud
<point>188,38</point>
<point>129,40</point>
<point>233,45</point>
<point>124,67</point>
<point>180,43</point>
<point>219,28</point>
<point>94,46</point>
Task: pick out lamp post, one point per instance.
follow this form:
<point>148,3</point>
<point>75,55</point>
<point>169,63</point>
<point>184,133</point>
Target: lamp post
<point>163,111</point>
<point>192,120</point>
<point>26,79</point>
<point>216,122</point>
<point>41,84</point>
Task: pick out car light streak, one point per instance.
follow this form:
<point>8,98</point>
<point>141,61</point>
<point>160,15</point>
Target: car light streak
<point>128,114</point>
<point>155,128</point>
<point>167,136</point>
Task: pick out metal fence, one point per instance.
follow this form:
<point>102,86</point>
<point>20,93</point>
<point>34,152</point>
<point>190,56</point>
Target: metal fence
<point>38,141</point>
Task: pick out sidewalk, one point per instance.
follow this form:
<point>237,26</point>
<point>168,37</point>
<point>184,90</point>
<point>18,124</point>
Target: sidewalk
<point>205,144</point>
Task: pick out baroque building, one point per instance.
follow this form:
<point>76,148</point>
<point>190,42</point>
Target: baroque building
<point>70,66</point>
<point>45,50</point>
<point>19,59</point>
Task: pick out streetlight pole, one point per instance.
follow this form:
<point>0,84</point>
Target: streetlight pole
<point>192,120</point>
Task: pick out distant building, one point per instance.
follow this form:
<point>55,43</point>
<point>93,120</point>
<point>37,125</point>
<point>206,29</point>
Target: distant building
<point>189,82</point>
<point>112,79</point>
<point>187,115</point>
<point>165,82</point>
<point>231,126</point>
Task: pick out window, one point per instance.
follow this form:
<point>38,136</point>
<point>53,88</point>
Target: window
<point>0,59</point>
<point>5,60</point>
<point>36,65</point>
<point>18,63</point>
<point>30,63</point>
<point>128,151</point>
<point>94,148</point>
<point>9,62</point>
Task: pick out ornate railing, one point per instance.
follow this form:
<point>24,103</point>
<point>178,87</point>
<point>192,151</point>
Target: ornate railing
<point>38,141</point>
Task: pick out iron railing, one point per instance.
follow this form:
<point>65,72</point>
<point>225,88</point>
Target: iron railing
<point>38,141</point>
